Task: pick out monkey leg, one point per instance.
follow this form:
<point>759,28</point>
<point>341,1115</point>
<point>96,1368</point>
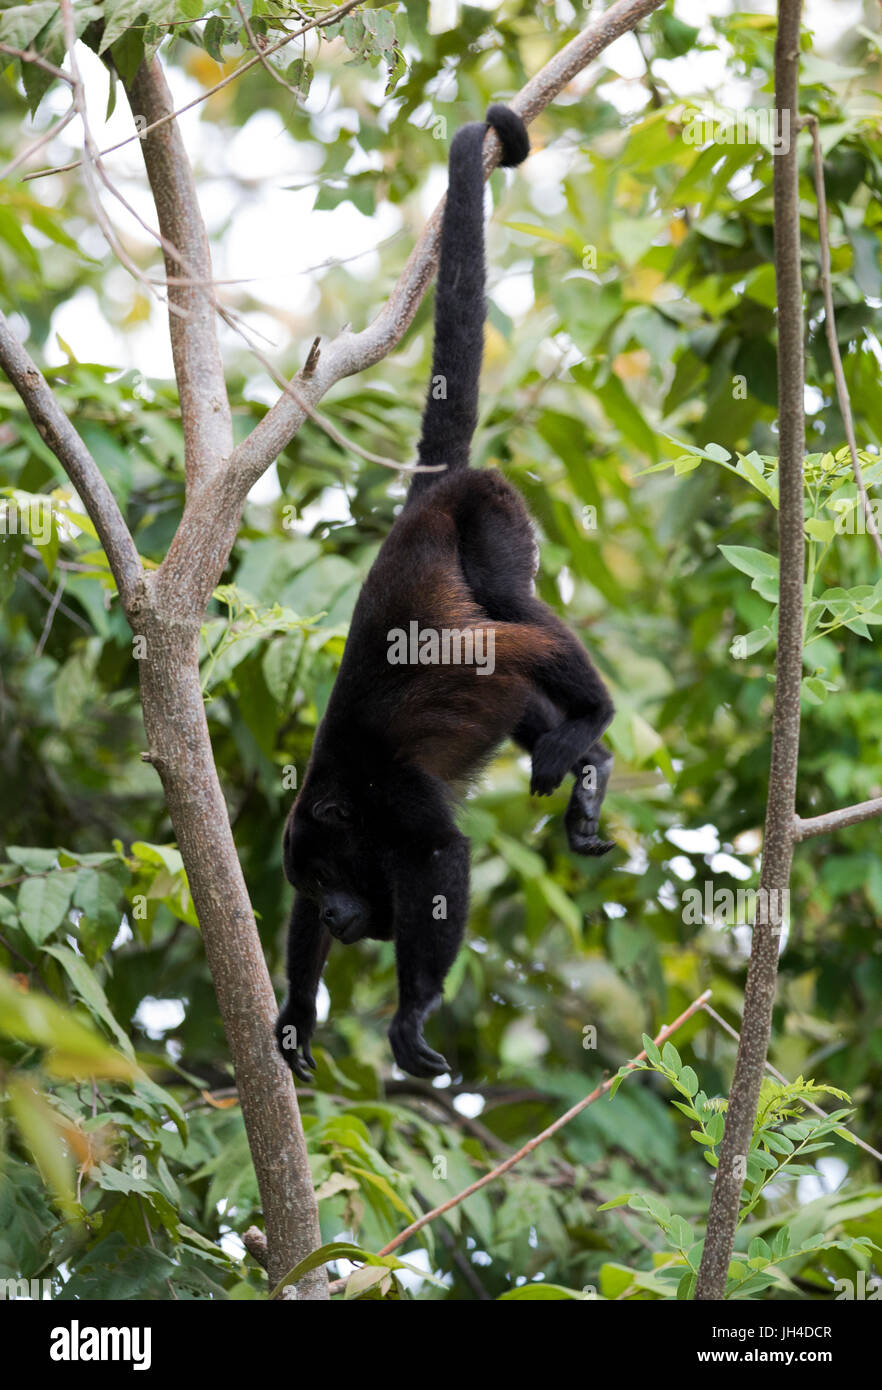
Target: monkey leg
<point>431,893</point>
<point>591,770</point>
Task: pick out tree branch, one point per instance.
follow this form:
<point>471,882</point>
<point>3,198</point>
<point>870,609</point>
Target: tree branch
<point>171,114</point>
<point>830,327</point>
<point>759,996</point>
<point>354,352</point>
<point>58,433</point>
<point>804,829</point>
<point>205,408</point>
<point>670,1028</point>
<point>38,144</point>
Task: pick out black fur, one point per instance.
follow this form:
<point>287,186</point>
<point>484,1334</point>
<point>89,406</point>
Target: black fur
<point>371,844</point>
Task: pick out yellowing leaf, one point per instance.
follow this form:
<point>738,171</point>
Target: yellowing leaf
<point>632,366</point>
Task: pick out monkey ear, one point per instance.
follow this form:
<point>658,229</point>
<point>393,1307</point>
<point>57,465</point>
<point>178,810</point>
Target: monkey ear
<point>331,812</point>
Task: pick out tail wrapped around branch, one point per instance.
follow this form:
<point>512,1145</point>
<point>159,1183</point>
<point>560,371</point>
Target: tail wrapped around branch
<point>451,412</point>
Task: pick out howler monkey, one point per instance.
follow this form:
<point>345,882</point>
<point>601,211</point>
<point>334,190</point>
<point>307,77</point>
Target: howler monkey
<point>371,844</point>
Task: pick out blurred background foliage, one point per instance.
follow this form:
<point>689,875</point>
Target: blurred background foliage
<point>631,305</point>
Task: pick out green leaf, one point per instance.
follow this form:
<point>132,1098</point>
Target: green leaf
<point>671,1057</point>
<point>756,563</point>
<point>689,1080</point>
<point>43,904</point>
<point>38,1125</point>
<point>87,987</point>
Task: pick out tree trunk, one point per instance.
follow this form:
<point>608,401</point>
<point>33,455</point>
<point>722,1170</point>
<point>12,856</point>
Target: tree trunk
<point>180,750</point>
<point>778,836</point>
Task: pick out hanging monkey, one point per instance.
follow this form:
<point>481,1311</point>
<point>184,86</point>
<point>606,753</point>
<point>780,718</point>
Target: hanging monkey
<point>371,845</point>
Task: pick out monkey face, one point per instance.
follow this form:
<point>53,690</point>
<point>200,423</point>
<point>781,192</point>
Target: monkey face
<point>330,858</point>
<point>346,915</point>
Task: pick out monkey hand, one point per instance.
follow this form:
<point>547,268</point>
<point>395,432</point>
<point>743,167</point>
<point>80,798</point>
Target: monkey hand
<point>294,1028</point>
<point>583,837</point>
<point>552,758</point>
<point>410,1049</point>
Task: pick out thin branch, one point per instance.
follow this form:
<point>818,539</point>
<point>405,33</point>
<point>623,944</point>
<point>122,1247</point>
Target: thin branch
<point>50,617</point>
<point>171,115</point>
<point>261,53</point>
<point>205,409</point>
<point>48,595</point>
<point>777,858</point>
<point>39,143</point>
<point>779,1076</point>
<point>254,1241</point>
<point>830,327</point>
<point>338,1285</point>
<point>353,352</point>
<point>29,55</point>
<point>91,158</point>
<point>804,829</point>
<point>58,433</point>
<point>194,343</point>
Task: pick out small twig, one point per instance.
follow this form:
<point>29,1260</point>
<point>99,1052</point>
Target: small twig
<point>254,1241</point>
<point>31,968</point>
<point>773,1071</point>
<point>38,144</point>
<point>804,829</point>
<point>50,617</point>
<point>458,1257</point>
<point>321,23</point>
<point>309,365</point>
<point>261,53</point>
<point>62,607</point>
<point>655,96</point>
<point>91,161</point>
<point>29,55</point>
<point>338,1285</point>
<point>830,327</point>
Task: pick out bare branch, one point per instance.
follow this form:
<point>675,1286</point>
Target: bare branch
<point>205,408</point>
<point>261,53</point>
<point>91,160</point>
<point>170,114</point>
<point>39,143</point>
<point>830,328</point>
<point>836,820</point>
<point>254,1241</point>
<point>45,593</point>
<point>353,352</point>
<point>67,446</point>
<point>29,55</point>
<point>670,1028</point>
<point>50,616</point>
<point>759,994</point>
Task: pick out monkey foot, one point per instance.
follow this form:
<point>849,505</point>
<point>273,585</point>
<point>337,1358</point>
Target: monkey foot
<point>412,1052</point>
<point>583,838</point>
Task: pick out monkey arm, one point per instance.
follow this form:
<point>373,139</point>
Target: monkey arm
<point>308,946</point>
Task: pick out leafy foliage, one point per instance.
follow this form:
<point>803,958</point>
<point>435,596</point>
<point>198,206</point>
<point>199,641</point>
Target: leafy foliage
<point>647,255</point>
